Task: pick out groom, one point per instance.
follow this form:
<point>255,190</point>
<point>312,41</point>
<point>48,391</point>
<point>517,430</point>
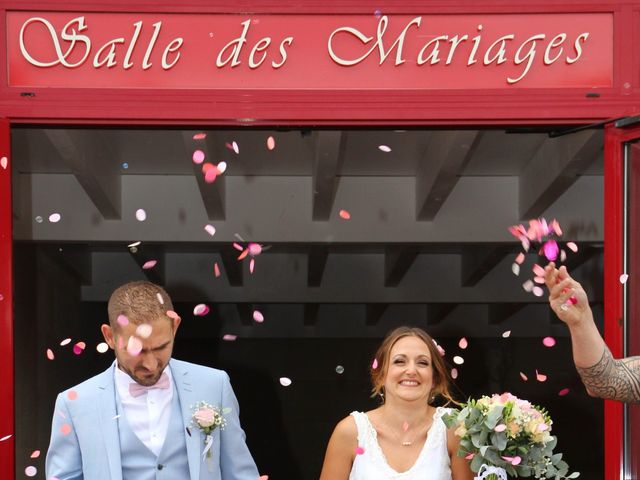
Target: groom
<point>134,421</point>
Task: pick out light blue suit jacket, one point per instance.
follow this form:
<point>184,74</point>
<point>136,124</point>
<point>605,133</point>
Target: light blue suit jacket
<point>91,450</point>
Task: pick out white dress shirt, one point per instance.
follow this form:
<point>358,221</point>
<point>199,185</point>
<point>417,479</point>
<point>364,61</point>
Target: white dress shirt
<point>149,414</point>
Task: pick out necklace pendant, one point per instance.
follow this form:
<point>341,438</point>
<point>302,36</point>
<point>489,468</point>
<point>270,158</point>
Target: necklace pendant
<point>407,444</point>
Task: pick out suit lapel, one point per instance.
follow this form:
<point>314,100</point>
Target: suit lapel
<point>109,425</point>
<point>187,398</point>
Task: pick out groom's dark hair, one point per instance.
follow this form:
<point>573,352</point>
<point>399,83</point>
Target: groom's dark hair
<point>140,302</point>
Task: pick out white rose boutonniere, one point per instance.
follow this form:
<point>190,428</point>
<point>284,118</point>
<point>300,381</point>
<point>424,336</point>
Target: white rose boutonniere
<point>207,418</point>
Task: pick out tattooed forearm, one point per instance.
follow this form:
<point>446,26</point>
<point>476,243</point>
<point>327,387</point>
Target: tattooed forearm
<point>613,379</point>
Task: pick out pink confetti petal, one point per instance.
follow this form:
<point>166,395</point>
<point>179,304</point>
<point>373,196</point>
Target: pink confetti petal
<point>65,342</point>
<point>144,330</point>
<point>563,255</point>
<point>172,314</point>
<point>524,377</point>
<point>160,299</point>
<point>500,428</point>
<point>79,347</point>
<point>520,258</point>
<point>252,264</point>
<point>222,167</point>
<point>454,373</point>
<point>122,320</point>
<point>345,214</point>
<point>623,278</point>
<point>235,147</point>
<point>200,136</point>
<point>257,316</point>
<point>134,346</point>
<point>6,437</point>
<point>65,429</point>
<point>211,175</point>
<point>515,268</point>
<point>555,227</point>
<point>458,360</point>
<point>572,246</point>
<point>539,280</point>
<point>540,377</point>
<point>563,392</point>
<point>102,347</point>
<point>55,217</point>
<point>374,365</point>
<point>538,270</point>
<point>35,454</point>
<point>537,291</point>
<point>243,254</point>
<point>359,450</point>
<point>216,270</point>
<point>229,338</point>
<point>263,477</point>
<point>470,456</point>
<point>506,334</point>
<point>513,460</point>
<point>285,381</point>
<point>210,229</point>
<point>548,341</point>
<point>4,161</point>
<point>149,264</point>
<point>551,250</point>
<point>271,143</point>
<point>71,395</point>
<point>50,354</point>
<point>463,343</point>
<point>384,148</point>
<point>198,157</point>
<point>31,471</point>
<point>238,247</point>
<point>141,215</point>
<point>528,286</point>
<point>254,249</point>
<point>200,310</point>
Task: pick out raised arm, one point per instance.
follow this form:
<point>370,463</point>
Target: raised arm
<point>602,375</point>
<point>341,451</point>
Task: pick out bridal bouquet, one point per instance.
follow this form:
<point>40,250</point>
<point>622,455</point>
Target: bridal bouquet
<point>503,435</point>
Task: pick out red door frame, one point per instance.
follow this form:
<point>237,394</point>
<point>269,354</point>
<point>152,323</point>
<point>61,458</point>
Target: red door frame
<point>6,307</point>
<point>336,108</point>
<point>613,289</point>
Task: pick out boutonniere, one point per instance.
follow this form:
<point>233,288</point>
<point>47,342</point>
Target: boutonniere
<point>207,418</point>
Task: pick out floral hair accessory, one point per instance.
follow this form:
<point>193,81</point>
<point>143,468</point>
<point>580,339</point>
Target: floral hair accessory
<point>503,434</point>
<point>207,418</point>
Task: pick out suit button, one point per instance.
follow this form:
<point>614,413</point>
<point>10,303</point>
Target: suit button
<point>160,466</point>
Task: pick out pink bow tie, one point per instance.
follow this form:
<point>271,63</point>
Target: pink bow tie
<point>135,389</point>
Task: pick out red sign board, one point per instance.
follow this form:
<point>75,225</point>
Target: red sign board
<point>298,52</point>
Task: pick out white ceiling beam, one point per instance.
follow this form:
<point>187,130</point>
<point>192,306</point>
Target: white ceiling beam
<point>329,149</point>
<point>554,168</point>
<point>440,168</point>
<point>212,194</point>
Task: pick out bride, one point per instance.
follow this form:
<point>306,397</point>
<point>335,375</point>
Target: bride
<point>405,438</point>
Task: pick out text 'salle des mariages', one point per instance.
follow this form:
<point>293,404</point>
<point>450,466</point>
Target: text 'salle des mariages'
<point>74,47</point>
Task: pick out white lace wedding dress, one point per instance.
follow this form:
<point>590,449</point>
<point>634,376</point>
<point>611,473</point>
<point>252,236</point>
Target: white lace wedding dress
<point>432,464</point>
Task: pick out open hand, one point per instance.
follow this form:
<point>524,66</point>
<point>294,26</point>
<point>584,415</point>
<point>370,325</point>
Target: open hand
<point>567,298</point>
